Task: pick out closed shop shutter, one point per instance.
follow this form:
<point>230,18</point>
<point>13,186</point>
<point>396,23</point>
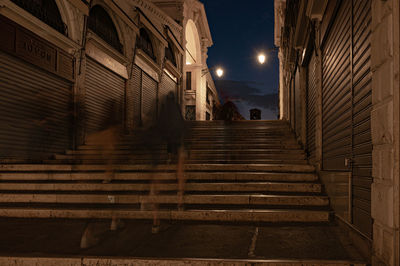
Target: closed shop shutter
<point>347,104</point>
<point>149,99</point>
<point>136,87</point>
<point>292,103</point>
<point>167,85</point>
<point>297,101</point>
<point>35,111</point>
<point>311,98</point>
<point>104,91</point>
<point>362,144</point>
<point>336,92</point>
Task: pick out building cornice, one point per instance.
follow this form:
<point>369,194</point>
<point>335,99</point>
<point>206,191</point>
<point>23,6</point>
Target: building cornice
<point>147,6</point>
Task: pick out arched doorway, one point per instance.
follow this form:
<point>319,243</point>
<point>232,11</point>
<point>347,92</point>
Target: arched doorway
<point>192,71</point>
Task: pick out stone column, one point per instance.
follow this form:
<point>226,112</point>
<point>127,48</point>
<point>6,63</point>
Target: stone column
<point>282,89</point>
<point>385,131</point>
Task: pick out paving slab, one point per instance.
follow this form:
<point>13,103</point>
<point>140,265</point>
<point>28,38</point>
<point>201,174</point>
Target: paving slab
<point>60,238</point>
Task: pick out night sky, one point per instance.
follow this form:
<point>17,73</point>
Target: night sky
<point>241,29</point>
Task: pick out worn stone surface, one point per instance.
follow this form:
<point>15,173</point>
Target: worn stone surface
<point>61,238</point>
<point>35,261</point>
<point>383,78</point>
<point>382,203</point>
<point>383,161</point>
<point>382,42</point>
<point>385,131</point>
<point>382,121</point>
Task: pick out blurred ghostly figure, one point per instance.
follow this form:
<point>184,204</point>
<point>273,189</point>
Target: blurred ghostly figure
<point>170,125</point>
<point>170,129</point>
<point>108,135</point>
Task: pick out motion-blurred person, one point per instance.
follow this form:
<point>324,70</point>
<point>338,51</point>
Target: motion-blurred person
<point>108,136</point>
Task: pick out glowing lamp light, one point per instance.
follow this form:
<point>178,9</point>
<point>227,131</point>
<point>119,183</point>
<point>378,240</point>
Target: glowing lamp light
<point>219,72</point>
<point>261,58</point>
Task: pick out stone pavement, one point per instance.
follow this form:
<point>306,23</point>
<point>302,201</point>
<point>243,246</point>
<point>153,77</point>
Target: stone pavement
<point>61,238</point>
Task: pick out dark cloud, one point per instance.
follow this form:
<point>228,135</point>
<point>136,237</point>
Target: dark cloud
<point>247,91</point>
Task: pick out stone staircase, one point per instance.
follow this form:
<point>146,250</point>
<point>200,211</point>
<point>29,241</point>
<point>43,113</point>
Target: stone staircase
<point>245,171</point>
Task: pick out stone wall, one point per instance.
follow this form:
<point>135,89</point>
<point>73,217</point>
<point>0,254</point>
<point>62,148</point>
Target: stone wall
<point>385,131</point>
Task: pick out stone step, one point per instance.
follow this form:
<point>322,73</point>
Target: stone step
<point>235,132</point>
<point>163,160</point>
<point>191,156</point>
<point>275,200</point>
<point>259,215</point>
<point>223,150</point>
<point>198,146</point>
<point>242,135</point>
<point>239,126</point>
<point>215,176</point>
<point>103,261</point>
<point>188,187</point>
<point>252,126</point>
<point>212,141</point>
<point>282,168</point>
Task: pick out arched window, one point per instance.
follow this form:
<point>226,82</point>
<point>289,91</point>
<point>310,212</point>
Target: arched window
<point>101,24</point>
<point>144,43</point>
<point>45,10</point>
<point>169,53</point>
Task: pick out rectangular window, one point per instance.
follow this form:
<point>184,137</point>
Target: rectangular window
<point>190,112</point>
<point>208,117</point>
<point>208,95</point>
<point>188,80</point>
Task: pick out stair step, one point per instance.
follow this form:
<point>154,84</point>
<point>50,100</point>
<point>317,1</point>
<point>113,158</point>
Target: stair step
<point>164,161</point>
<point>286,168</point>
<point>196,146</point>
<point>204,187</point>
<point>192,151</point>
<point>286,215</point>
<point>215,176</point>
<point>99,260</point>
<point>255,155</point>
<point>275,200</point>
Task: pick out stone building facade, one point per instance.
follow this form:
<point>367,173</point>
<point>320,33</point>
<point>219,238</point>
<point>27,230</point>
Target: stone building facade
<point>339,89</point>
<point>69,65</point>
<point>199,92</point>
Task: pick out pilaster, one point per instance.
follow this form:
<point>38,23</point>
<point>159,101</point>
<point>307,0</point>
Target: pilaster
<point>385,131</point>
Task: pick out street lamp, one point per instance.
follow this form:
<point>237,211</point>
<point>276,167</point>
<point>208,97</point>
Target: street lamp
<point>261,58</point>
<point>218,71</point>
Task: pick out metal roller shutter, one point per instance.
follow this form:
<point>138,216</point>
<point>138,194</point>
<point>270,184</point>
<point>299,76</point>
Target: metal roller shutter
<point>137,98</point>
<point>311,98</point>
<point>103,89</point>
<point>149,99</point>
<point>336,92</point>
<point>167,85</point>
<point>292,103</point>
<point>297,102</point>
<point>347,104</point>
<point>35,111</point>
<point>362,144</point>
